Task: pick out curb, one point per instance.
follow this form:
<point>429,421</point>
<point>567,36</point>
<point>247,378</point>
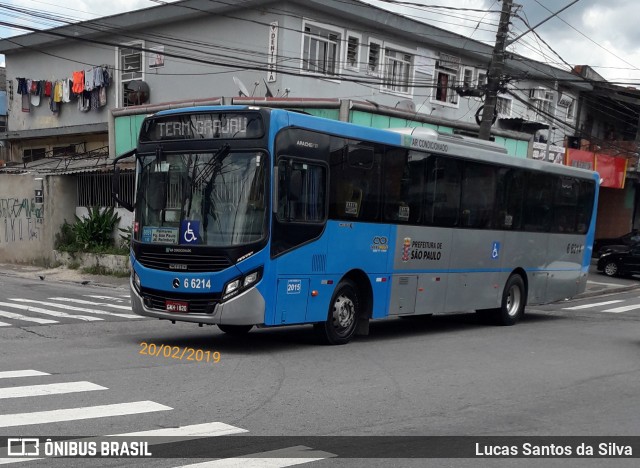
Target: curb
<point>82,282</point>
<point>604,291</point>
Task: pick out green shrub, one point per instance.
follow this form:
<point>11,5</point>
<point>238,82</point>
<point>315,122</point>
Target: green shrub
<point>92,234</point>
<point>66,239</point>
<point>96,230</point>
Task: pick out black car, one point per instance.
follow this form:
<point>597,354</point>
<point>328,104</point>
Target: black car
<point>620,263</point>
<point>630,238</point>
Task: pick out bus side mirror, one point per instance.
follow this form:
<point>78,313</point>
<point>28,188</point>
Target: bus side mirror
<point>115,190</point>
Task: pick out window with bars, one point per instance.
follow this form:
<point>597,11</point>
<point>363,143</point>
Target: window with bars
<point>503,107</point>
<point>131,69</point>
<point>94,189</point>
<point>397,71</point>
<point>321,50</point>
<point>373,61</point>
<point>353,52</point>
<point>33,154</point>
<point>544,108</point>
<point>571,110</point>
<point>447,70</point>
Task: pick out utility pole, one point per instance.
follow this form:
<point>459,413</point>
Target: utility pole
<point>495,71</point>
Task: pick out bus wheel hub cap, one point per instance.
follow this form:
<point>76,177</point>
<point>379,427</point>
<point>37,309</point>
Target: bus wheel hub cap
<point>343,312</point>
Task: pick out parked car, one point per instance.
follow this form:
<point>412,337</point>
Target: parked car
<point>616,248</point>
<point>628,239</point>
<point>620,263</point>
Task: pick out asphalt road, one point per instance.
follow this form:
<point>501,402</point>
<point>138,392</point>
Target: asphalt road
<point>568,369</point>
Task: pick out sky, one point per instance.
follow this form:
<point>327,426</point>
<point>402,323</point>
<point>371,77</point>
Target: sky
<point>602,34</point>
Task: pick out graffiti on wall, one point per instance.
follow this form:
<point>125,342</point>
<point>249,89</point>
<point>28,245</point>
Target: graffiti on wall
<point>21,219</point>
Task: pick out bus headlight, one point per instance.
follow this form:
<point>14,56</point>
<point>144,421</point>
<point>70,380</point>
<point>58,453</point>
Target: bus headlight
<point>231,287</point>
<point>250,279</point>
<point>237,285</point>
<point>136,281</point>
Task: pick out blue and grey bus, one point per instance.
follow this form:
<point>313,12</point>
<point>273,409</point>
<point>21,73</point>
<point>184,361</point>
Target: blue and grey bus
<point>249,216</point>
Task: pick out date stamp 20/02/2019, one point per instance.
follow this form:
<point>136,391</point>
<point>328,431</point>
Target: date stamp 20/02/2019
<point>178,352</point>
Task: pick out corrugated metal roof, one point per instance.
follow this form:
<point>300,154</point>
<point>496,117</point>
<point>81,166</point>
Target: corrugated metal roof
<point>92,161</point>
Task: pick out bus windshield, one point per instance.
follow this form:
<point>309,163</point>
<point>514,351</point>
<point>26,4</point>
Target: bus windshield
<point>212,199</point>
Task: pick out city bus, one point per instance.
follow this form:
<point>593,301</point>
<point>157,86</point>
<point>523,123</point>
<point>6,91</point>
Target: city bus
<point>256,217</point>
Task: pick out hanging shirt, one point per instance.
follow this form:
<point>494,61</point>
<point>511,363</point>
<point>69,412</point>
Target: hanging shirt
<point>57,91</point>
<point>66,88</point>
<point>22,86</point>
<point>78,82</point>
<point>98,80</point>
<point>88,80</point>
<point>47,88</point>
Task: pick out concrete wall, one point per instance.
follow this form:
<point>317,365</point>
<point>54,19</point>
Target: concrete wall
<point>27,228</point>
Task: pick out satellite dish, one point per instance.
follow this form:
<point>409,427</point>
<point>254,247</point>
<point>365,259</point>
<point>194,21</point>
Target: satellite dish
<point>407,105</point>
<point>137,92</point>
<point>243,89</point>
<point>268,93</point>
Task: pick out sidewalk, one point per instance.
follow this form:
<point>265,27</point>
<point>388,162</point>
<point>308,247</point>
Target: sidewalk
<point>62,274</point>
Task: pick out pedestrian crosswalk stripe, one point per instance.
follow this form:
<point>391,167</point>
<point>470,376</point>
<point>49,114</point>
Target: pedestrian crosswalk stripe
<point>289,456</point>
<point>21,373</point>
<point>50,312</point>
<point>79,309</point>
<point>618,310</point>
<point>212,429</point>
<point>590,306</point>
<point>106,298</point>
<point>87,412</point>
<point>12,315</point>
<point>82,301</point>
<point>48,389</point>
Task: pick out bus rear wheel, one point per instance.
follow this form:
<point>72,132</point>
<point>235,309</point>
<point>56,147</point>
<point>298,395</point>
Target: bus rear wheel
<point>235,330</point>
<point>513,301</point>
<point>342,318</point>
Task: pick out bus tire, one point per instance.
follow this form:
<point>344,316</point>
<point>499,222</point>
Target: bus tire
<point>513,301</point>
<point>342,317</point>
<point>235,330</point>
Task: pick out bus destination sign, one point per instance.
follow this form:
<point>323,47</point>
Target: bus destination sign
<point>202,126</point>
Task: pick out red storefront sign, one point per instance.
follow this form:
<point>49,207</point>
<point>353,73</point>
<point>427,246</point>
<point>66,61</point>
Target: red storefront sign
<point>612,170</point>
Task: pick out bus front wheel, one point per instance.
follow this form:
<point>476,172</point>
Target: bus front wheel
<point>235,329</point>
<point>513,301</point>
<point>342,318</point>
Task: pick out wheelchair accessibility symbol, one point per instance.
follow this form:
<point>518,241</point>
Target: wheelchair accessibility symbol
<point>495,250</point>
<point>190,231</point>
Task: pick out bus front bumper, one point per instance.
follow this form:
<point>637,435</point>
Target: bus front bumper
<point>247,308</point>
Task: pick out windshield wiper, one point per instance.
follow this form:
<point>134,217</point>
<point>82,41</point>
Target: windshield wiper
<point>214,165</point>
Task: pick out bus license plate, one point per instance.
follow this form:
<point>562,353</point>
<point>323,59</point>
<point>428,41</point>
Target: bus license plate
<point>175,306</point>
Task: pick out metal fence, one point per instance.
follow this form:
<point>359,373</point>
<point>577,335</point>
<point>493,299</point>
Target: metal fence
<point>94,189</point>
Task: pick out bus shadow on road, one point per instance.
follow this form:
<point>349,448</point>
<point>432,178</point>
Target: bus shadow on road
<point>293,337</point>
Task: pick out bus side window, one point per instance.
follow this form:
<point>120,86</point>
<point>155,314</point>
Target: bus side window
<point>538,202</point>
<point>442,203</point>
<point>510,183</point>
<point>301,192</point>
<point>349,200</point>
